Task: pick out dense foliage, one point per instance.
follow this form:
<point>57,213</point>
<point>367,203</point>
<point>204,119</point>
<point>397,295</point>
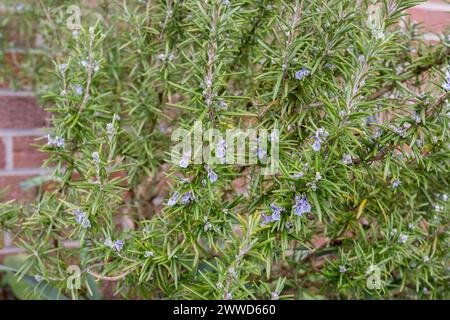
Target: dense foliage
<point>359,98</point>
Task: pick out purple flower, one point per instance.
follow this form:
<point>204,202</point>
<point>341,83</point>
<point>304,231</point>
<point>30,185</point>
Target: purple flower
<point>63,67</point>
<point>211,175</point>
<point>276,210</point>
<point>377,134</point>
<point>187,197</point>
<point>296,175</point>
<point>342,269</point>
<point>318,176</point>
<point>416,117</point>
<point>289,225</point>
<point>316,145</point>
<point>347,159</point>
<point>301,206</point>
<point>111,131</point>
<point>95,157</point>
<point>78,89</point>
<point>446,84</point>
<point>402,238</point>
<point>118,245</point>
<point>58,142</point>
<point>318,135</point>
<point>208,226</point>
<point>302,73</point>
<point>274,136</point>
<point>148,254</point>
<point>265,219</point>
<point>173,199</point>
<point>81,218</point>
<point>262,154</point>
<point>184,162</point>
<point>395,183</point>
<point>220,152</point>
<point>222,104</point>
<point>321,132</point>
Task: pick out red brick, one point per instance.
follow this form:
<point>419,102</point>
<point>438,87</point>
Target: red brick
<point>26,155</point>
<point>431,20</point>
<point>10,189</point>
<point>20,112</point>
<point>2,154</point>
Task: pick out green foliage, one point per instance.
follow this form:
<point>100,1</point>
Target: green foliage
<point>377,182</point>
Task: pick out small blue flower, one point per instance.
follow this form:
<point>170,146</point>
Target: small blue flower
<point>342,269</point>
<point>347,159</point>
<point>222,105</point>
<point>211,175</point>
<point>261,153</point>
<point>148,254</point>
<point>318,135</point>
<point>276,209</point>
<point>78,89</point>
<point>20,6</point>
<point>296,175</point>
<point>276,214</point>
<point>208,226</point>
<point>301,206</point>
<point>95,157</point>
<point>118,245</point>
<point>187,197</point>
<point>316,145</point>
<point>221,149</point>
<point>402,238</point>
<point>302,73</point>
<point>395,183</point>
<point>265,219</point>
<point>63,67</point>
<point>81,218</point>
<point>173,199</point>
<point>446,84</point>
<point>110,131</point>
<point>184,162</point>
<point>57,142</point>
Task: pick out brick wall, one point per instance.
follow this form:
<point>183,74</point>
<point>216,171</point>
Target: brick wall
<point>21,127</point>
<point>21,119</point>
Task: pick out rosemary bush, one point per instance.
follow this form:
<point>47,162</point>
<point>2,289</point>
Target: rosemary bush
<point>358,207</point>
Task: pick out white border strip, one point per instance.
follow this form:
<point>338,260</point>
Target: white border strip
<point>25,172</point>
<point>18,93</point>
<point>36,132</point>
<point>9,153</point>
